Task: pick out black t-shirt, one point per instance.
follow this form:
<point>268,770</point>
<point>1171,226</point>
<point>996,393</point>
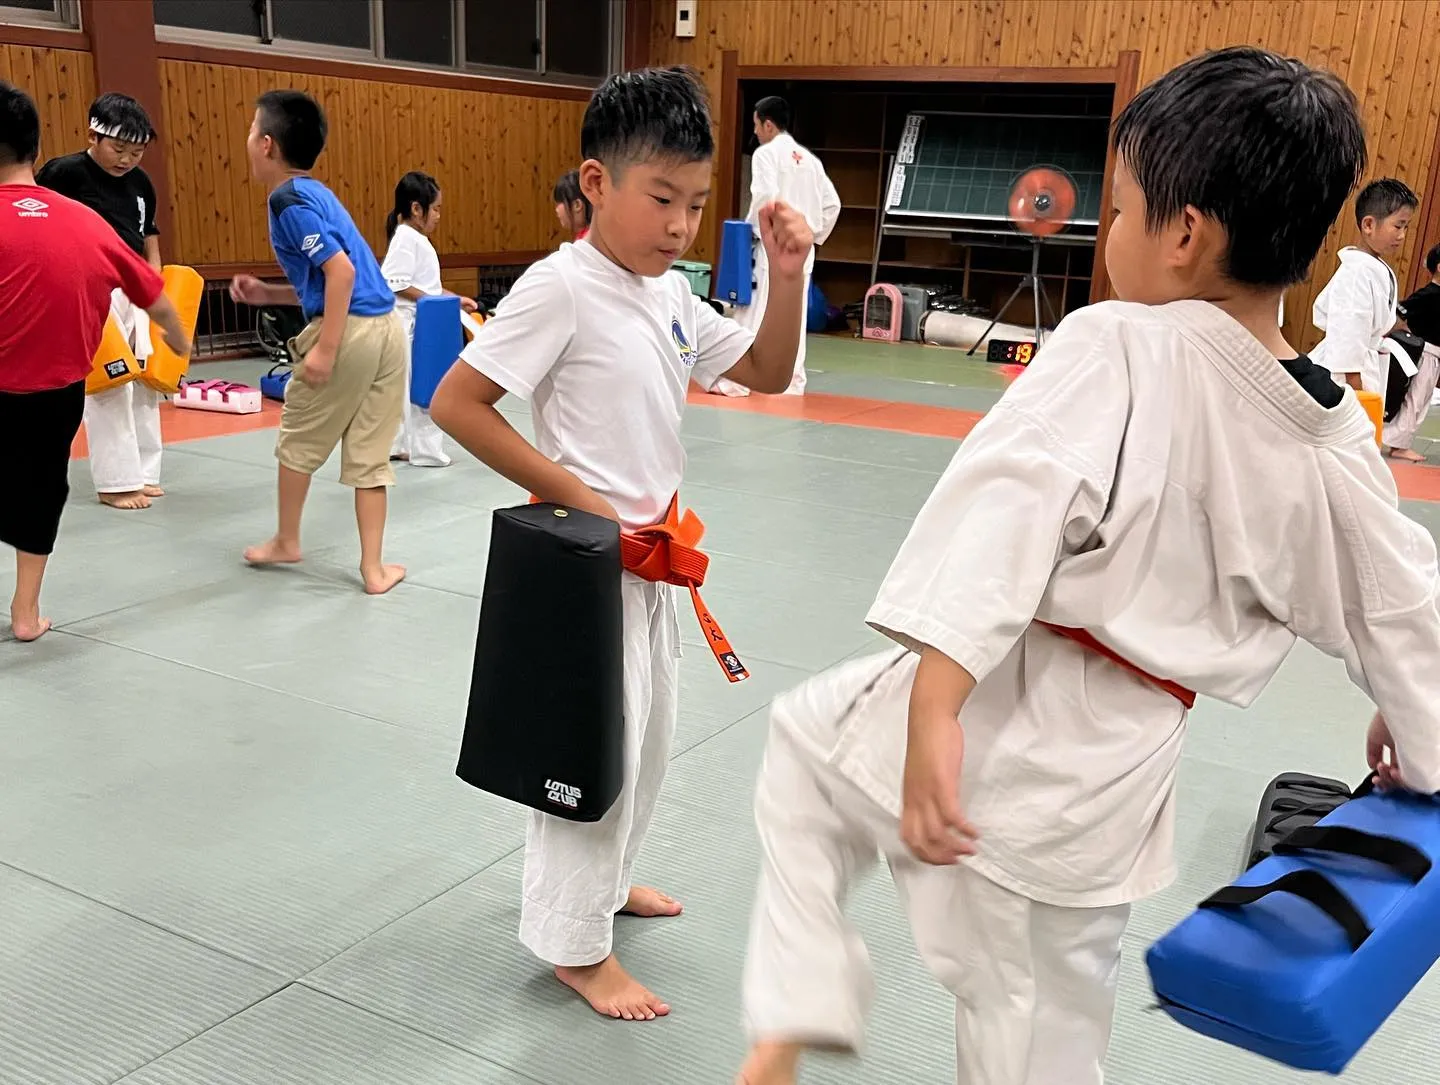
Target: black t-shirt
<point>1316,380</point>
<point>1421,311</point>
<point>127,203</point>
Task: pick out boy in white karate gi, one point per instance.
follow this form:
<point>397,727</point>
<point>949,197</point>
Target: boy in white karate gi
<point>781,169</point>
<point>1421,313</point>
<point>1118,534</point>
<point>1356,310</point>
<point>604,339</point>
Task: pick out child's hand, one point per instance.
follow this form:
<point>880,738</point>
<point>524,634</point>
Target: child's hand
<point>248,290</point>
<point>787,238</point>
<point>930,821</point>
<point>468,305</point>
<point>317,366</point>
<point>1380,755</point>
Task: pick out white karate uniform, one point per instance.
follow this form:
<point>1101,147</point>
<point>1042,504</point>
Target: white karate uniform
<point>605,357</point>
<point>1356,310</point>
<point>784,170</point>
<point>122,426</point>
<point>1146,480</point>
<point>1399,432</point>
<point>412,261</point>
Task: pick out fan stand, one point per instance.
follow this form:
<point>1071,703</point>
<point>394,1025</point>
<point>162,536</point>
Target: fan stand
<point>1032,281</point>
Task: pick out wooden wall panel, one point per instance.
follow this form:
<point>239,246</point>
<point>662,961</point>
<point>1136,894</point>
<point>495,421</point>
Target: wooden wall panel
<point>62,82</point>
<point>1382,49</point>
<point>495,156</point>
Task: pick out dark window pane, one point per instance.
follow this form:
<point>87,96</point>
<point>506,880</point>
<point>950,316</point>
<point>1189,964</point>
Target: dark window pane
<point>422,31</point>
<point>324,22</point>
<point>503,33</point>
<point>577,37</point>
<point>30,5</point>
<point>225,16</point>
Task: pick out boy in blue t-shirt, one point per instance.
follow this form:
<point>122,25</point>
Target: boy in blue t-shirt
<point>349,388</point>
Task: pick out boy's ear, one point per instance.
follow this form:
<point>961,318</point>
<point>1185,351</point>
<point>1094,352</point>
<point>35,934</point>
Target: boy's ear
<point>1368,224</point>
<point>595,181</point>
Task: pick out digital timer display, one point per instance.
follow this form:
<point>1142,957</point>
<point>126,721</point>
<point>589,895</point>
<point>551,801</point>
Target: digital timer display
<point>1010,352</point>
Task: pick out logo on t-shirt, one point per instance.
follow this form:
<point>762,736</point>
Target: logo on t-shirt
<point>31,208</point>
<point>310,244</point>
<point>688,355</point>
<point>140,205</point>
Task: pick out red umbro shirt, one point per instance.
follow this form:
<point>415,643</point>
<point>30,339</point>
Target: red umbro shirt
<point>59,261</point>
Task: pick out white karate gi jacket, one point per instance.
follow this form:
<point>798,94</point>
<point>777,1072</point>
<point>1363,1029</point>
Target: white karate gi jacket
<point>1356,310</point>
<point>784,170</point>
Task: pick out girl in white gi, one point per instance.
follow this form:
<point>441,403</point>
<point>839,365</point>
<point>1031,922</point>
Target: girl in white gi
<point>781,169</point>
<point>1356,310</point>
<point>412,270</point>
<point>1421,312</point>
<point>1119,531</point>
<point>604,339</point>
<point>122,425</point>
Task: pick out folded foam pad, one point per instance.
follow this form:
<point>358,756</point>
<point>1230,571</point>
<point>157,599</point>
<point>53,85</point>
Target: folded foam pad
<point>1308,953</point>
<point>438,341</point>
<point>273,383</point>
<point>545,725</point>
<point>114,362</point>
<point>734,277</point>
<point>1292,801</point>
<point>164,369</point>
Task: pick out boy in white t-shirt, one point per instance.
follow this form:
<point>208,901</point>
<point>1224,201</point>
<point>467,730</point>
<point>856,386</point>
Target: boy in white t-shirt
<point>604,340</point>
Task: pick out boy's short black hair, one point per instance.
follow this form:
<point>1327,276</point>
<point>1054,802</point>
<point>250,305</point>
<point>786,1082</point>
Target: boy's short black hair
<point>653,113</point>
<point>774,109</point>
<point>1383,198</point>
<point>1432,260</point>
<point>296,123</point>
<point>120,116</point>
<point>1266,146</point>
<point>19,127</point>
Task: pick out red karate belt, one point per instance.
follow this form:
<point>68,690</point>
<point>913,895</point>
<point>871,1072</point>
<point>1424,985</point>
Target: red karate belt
<point>668,553</point>
<point>1085,640</point>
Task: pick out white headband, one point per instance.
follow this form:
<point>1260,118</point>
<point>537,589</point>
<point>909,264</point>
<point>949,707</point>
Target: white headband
<point>115,131</point>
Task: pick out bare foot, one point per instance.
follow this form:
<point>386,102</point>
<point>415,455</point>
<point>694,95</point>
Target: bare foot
<point>379,581</point>
<point>153,491</point>
<point>650,903</point>
<point>29,627</point>
<point>135,499</point>
<point>275,552</point>
<point>611,991</point>
<point>1406,455</point>
<point>770,1064</point>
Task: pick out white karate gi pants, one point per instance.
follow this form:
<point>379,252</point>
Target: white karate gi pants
<point>419,439</point>
<point>1034,984</point>
<point>750,316</point>
<point>122,426</point>
<point>577,876</point>
<point>1400,432</point>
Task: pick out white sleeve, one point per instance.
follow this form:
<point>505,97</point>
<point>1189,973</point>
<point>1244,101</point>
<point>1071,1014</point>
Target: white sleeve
<point>719,343</point>
<point>829,206</point>
<point>400,261</point>
<point>764,182</point>
<point>530,331</point>
<point>1028,485</point>
<point>1349,323</point>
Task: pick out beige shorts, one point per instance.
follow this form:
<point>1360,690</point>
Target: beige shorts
<point>359,408</point>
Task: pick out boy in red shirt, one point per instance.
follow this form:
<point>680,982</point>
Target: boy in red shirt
<point>59,262</point>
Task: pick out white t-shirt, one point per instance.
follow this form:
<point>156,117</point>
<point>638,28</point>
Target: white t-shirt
<point>606,357</point>
<point>411,261</point>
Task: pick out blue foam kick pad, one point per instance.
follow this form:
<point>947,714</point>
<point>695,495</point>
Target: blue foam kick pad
<point>437,343</point>
<point>273,383</point>
<point>1303,958</point>
<point>735,274</point>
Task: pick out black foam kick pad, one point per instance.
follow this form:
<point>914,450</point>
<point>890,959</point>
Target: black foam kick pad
<point>1294,800</point>
<point>545,724</point>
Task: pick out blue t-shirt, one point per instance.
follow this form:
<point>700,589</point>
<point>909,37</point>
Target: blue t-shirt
<point>308,226</point>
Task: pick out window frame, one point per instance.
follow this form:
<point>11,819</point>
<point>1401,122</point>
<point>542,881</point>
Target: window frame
<point>375,55</point>
<point>65,15</point>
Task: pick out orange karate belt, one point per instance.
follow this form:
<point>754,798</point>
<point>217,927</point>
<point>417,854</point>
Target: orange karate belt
<point>1085,640</point>
<point>667,553</point>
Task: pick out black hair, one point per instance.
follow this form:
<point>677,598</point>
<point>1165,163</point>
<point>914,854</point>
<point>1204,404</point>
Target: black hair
<point>1432,260</point>
<point>1383,198</point>
<point>651,113</point>
<point>120,116</point>
<point>296,123</point>
<point>567,191</point>
<point>774,109</point>
<point>414,187</point>
<point>1264,145</point>
<point>19,127</point>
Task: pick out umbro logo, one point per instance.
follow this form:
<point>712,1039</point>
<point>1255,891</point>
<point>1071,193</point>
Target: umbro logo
<point>311,243</point>
<point>31,208</point>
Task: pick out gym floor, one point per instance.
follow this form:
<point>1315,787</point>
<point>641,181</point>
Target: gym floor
<point>233,850</point>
